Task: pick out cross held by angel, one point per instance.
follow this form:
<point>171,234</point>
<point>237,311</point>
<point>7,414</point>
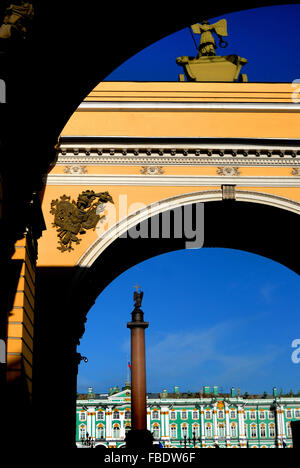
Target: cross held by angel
<point>207,44</point>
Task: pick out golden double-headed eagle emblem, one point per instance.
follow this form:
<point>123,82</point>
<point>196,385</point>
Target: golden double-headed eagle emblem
<point>73,218</point>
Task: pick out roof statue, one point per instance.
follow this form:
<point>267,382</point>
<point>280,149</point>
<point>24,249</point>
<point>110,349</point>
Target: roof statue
<point>16,20</point>
<point>207,44</point>
<point>207,65</point>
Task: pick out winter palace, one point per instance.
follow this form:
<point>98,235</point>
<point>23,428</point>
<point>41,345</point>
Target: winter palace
<point>207,419</point>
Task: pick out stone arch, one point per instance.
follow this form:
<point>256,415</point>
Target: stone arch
<point>93,252</point>
<point>271,216</point>
<point>62,98</point>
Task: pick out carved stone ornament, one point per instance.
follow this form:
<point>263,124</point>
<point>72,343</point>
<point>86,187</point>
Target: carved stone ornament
<point>295,171</point>
<point>76,169</point>
<point>152,170</point>
<point>228,171</point>
<point>228,192</point>
<point>72,218</point>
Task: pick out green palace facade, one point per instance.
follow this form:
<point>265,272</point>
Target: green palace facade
<point>207,419</point>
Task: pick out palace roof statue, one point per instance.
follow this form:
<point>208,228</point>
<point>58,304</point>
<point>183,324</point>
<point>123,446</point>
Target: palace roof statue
<point>207,65</point>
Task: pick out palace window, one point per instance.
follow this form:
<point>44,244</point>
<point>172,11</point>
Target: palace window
<point>116,415</point>
<point>184,414</point>
<point>116,431</point>
<point>262,415</point>
<point>155,431</point>
<point>82,416</point>
<point>221,429</point>
<point>173,431</point>
<point>221,414</point>
<point>271,414</point>
<point>82,432</point>
<point>297,413</point>
<point>195,414</point>
<point>288,413</point>
<point>208,430</point>
<point>172,415</point>
<point>208,414</point>
<point>184,430</point>
<point>196,430</point>
<point>127,414</point>
<point>288,430</point>
<point>252,415</point>
<point>232,414</point>
<point>262,430</point>
<point>233,430</point>
<point>100,432</point>
<point>253,430</point>
<point>155,414</point>
<point>100,415</point>
<point>272,430</point>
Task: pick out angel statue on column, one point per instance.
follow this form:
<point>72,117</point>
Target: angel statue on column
<point>207,44</point>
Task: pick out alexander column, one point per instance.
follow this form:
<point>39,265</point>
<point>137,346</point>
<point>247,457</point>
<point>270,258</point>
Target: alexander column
<point>138,436</point>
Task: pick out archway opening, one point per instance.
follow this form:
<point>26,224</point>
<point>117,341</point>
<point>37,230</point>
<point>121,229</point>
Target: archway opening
<point>218,313</point>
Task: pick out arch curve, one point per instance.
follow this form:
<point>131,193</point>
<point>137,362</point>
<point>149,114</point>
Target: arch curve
<point>171,203</point>
<point>255,222</point>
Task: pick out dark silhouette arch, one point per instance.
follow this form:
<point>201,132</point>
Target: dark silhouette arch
<point>70,49</point>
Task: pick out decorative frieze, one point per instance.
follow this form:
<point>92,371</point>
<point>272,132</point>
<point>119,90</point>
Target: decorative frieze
<point>152,170</point>
<point>228,171</point>
<point>295,171</point>
<point>75,169</point>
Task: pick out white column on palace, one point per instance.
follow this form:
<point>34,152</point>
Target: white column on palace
<point>109,422</point>
<point>227,425</point>
<point>122,424</point>
<point>202,429</point>
<point>241,426</point>
<point>215,422</point>
<point>93,423</point>
<point>280,424</point>
<point>167,415</point>
<point>165,422</point>
<point>162,422</point>
<point>148,419</point>
<point>283,431</point>
<point>89,423</point>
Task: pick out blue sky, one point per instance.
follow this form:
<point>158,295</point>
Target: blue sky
<point>217,316</point>
<point>267,37</point>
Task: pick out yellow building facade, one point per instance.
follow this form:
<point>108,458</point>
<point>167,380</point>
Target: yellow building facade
<point>154,147</point>
<point>162,145</point>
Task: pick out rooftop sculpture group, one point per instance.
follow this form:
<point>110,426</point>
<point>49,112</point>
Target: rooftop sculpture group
<point>207,65</point>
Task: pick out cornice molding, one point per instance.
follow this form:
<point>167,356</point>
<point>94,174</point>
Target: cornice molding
<point>173,106</point>
<point>172,180</point>
<point>178,152</point>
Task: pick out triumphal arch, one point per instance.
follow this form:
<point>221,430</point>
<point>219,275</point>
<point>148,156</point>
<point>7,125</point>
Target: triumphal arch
<point>132,152</point>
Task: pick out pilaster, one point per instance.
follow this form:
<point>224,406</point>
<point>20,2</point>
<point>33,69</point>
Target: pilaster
<point>241,426</point>
<point>109,422</point>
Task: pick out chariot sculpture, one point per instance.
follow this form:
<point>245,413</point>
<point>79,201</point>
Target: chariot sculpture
<point>207,65</point>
